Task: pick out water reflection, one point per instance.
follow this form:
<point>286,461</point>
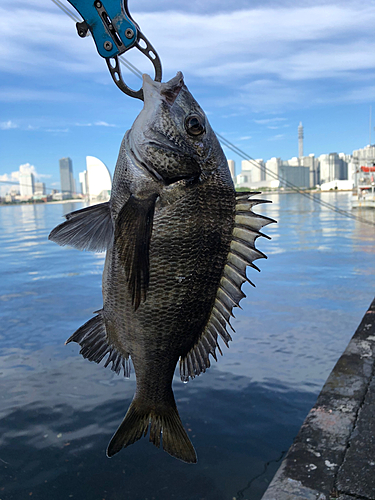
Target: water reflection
<point>54,435</point>
<point>59,411</point>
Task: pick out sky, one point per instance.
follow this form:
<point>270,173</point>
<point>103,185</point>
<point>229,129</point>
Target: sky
<point>257,68</point>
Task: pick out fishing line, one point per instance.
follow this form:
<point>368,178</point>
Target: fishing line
<point>238,151</point>
<point>67,11</point>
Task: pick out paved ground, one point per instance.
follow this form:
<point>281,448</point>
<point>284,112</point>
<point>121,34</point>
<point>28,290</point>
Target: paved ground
<point>333,455</point>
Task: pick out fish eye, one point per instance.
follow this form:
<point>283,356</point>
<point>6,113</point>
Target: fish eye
<point>194,125</point>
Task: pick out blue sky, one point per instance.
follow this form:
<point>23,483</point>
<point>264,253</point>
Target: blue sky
<point>256,68</point>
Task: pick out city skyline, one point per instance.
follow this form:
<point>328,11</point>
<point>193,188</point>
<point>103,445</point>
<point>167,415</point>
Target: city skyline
<point>322,169</point>
<point>280,65</point>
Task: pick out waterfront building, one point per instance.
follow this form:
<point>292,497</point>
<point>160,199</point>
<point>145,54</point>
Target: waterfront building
<point>232,168</point>
<point>83,182</point>
<point>365,155</point>
<point>361,165</point>
<point>96,182</point>
<point>294,175</point>
<point>289,172</point>
<point>253,176</point>
<point>333,167</point>
<point>66,177</point>
<point>254,170</point>
<point>40,189</point>
<point>27,184</point>
<point>314,168</point>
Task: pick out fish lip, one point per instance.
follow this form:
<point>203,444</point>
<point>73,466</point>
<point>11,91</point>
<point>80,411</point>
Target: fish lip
<point>168,91</point>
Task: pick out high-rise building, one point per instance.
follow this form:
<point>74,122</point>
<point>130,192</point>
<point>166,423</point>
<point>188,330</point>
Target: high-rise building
<point>66,176</point>
<point>313,164</point>
<point>333,167</point>
<point>40,189</point>
<point>26,180</point>
<point>83,182</point>
<point>232,168</point>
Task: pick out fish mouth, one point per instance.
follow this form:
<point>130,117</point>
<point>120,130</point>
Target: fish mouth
<point>168,90</point>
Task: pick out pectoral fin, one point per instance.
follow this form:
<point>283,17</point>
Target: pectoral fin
<point>90,228</point>
<point>132,241</point>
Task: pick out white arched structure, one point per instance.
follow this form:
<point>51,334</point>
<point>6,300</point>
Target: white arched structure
<point>98,179</point>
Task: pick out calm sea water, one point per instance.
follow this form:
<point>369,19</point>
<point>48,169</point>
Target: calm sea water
<point>58,411</point>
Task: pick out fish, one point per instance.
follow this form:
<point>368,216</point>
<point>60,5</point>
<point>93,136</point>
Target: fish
<point>178,240</point>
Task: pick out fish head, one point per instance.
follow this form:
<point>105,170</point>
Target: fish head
<point>172,136</point>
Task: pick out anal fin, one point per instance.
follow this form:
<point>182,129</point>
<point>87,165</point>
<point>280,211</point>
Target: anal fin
<point>92,338</point>
<point>90,228</point>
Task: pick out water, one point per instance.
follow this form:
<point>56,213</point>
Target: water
<point>58,411</point>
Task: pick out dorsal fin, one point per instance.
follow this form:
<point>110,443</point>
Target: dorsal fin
<point>242,253</point>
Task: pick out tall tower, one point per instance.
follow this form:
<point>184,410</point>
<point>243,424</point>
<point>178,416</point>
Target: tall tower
<point>300,140</point>
<point>66,176</point>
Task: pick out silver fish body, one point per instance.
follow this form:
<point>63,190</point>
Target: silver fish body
<point>177,243</point>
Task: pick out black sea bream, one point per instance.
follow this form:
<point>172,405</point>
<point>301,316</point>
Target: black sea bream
<point>178,240</point>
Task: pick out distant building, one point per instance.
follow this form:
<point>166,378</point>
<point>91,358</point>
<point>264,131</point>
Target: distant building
<point>314,167</point>
<point>273,167</point>
<point>66,177</point>
<point>343,185</point>
<point>294,176</point>
<point>96,180</point>
<point>83,182</point>
<point>253,175</point>
<point>253,170</point>
<point>232,168</point>
<point>40,189</point>
<point>359,165</point>
<point>289,172</point>
<point>365,155</point>
<point>333,167</point>
<point>27,182</point>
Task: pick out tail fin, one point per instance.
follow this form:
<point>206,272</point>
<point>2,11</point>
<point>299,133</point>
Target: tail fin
<point>167,423</point>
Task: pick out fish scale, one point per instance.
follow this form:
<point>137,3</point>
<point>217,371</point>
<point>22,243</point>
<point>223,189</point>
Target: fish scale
<point>178,240</point>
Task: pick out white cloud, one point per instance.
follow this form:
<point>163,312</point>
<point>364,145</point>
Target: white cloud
<point>277,137</point>
<point>286,45</point>
<point>104,124</point>
<point>9,177</point>
<point>8,125</point>
<point>96,124</point>
<point>245,138</point>
<point>25,168</point>
<point>267,121</point>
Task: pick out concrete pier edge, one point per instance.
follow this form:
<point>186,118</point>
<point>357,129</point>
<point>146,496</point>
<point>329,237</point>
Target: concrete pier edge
<point>333,455</point>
